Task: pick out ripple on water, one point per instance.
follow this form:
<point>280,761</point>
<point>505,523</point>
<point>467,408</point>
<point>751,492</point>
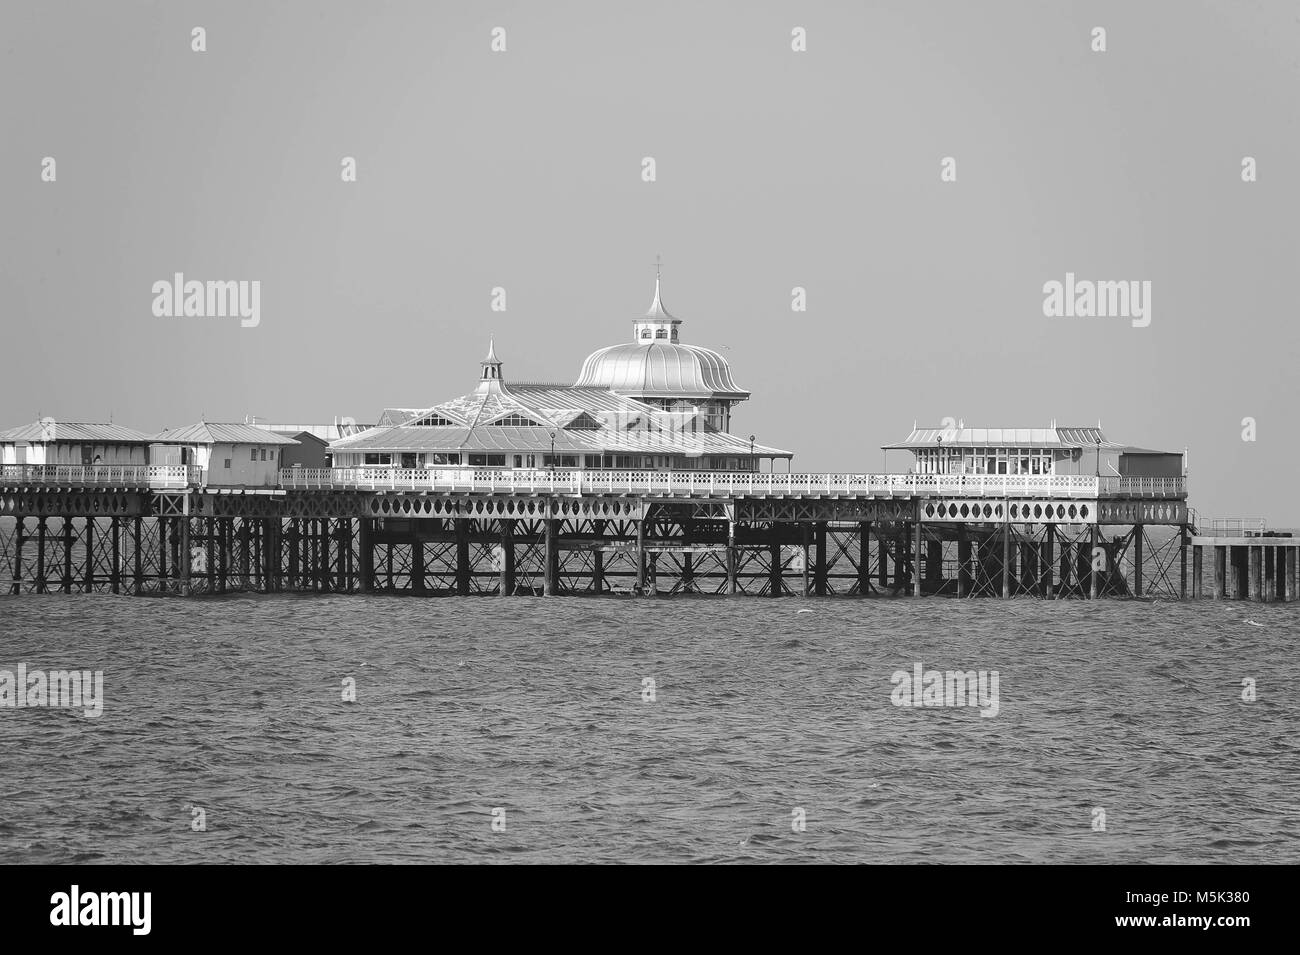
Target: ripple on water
<point>534,707</point>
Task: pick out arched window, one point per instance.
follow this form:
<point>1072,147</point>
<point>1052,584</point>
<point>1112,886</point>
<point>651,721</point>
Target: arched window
<point>674,335</point>
<point>645,333</point>
<point>661,333</point>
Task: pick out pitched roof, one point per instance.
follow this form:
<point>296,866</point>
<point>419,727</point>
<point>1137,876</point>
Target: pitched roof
<point>51,430</point>
<point>621,425</point>
<point>298,435</point>
<point>207,432</point>
<point>525,439</point>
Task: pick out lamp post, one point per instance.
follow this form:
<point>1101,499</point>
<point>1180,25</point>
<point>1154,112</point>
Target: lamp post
<point>939,468</point>
<point>1099,460</point>
<point>552,451</point>
<point>751,452</point>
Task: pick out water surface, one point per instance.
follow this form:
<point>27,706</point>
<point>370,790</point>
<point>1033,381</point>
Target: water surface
<point>535,706</point>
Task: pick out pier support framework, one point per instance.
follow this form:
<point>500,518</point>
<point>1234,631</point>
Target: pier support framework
<point>445,545</point>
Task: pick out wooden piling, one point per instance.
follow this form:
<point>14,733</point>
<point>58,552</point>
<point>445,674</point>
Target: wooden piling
<point>1049,561</point>
<point>550,557</point>
<point>864,558</point>
<point>731,558</point>
<point>803,530</point>
<point>1093,575</point>
<point>640,555</point>
<point>1006,560</point>
<point>1137,560</point>
<point>463,569</point>
<point>821,580</point>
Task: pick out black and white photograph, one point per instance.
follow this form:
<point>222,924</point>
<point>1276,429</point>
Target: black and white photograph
<point>650,433</point>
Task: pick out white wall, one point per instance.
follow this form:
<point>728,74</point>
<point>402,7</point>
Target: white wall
<point>70,452</point>
<point>243,470</point>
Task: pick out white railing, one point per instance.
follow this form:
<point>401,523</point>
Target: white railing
<point>1144,486</point>
<point>1237,527</point>
<point>103,475</point>
<point>572,481</point>
<point>728,483</point>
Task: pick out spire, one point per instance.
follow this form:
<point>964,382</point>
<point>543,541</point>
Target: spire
<point>491,364</point>
<point>657,323</point>
<point>657,311</point>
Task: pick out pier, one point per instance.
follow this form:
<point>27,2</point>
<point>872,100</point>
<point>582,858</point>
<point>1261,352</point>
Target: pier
<point>149,529</point>
<point>628,481</point>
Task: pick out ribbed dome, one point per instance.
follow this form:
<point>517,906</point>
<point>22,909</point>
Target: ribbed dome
<point>659,369</point>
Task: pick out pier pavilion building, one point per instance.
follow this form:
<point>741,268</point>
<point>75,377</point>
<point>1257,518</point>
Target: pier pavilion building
<point>1032,451</point>
<point>230,455</point>
<point>48,442</point>
<point>650,404</point>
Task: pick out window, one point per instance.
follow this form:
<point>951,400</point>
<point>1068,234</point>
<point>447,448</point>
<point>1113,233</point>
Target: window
<point>517,421</point>
<point>645,333</point>
<point>227,465</point>
<point>674,334</point>
<point>264,454</point>
<point>254,458</point>
<point>591,460</point>
<point>432,421</point>
<point>659,333</point>
<point>378,458</point>
<point>487,460</point>
<point>439,458</point>
<point>583,422</point>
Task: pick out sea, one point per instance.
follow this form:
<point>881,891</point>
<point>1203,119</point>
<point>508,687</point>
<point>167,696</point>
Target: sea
<point>351,729</point>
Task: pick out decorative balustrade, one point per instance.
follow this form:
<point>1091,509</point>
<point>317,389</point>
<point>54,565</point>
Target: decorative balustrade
<point>666,483</point>
<point>728,483</point>
<point>103,475</point>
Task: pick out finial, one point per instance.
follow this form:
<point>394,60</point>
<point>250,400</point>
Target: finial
<point>657,311</point>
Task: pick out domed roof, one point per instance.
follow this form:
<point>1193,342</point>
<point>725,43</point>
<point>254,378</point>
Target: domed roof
<point>651,366</point>
<point>659,369</point>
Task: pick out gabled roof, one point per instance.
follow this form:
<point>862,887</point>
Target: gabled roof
<point>622,425</point>
<point>300,436</point>
<point>392,416</point>
<point>326,432</point>
<point>50,430</point>
<point>509,438</point>
<point>207,432</point>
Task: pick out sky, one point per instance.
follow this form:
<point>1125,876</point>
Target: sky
<point>775,169</point>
